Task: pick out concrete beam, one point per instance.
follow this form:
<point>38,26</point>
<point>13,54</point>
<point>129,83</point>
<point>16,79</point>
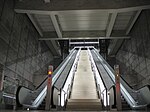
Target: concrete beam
<point>133,20</point>
<point>33,6</point>
<point>77,43</point>
<point>116,34</point>
<point>88,33</point>
<point>56,24</point>
<point>111,24</point>
<point>71,38</point>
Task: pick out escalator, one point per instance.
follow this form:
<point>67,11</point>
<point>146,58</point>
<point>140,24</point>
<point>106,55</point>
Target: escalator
<point>35,99</point>
<point>131,99</point>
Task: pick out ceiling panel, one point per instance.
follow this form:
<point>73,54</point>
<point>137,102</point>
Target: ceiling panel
<point>45,22</point>
<point>123,20</point>
<point>83,21</point>
<point>83,28</point>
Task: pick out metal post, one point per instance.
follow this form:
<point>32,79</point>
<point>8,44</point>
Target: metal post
<point>118,92</point>
<point>49,88</point>
<point>109,100</point>
<point>106,100</point>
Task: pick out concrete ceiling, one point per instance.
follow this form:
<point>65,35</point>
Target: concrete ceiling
<point>74,19</point>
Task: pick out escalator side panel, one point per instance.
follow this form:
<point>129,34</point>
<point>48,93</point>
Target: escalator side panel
<point>61,80</point>
<point>107,80</point>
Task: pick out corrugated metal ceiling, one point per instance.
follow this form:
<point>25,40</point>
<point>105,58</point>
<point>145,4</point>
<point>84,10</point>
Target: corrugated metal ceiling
<point>45,22</point>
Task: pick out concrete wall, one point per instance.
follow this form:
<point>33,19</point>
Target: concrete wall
<point>21,54</point>
<point>134,55</point>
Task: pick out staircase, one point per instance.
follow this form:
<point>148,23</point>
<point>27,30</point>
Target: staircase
<point>84,104</point>
<point>125,105</point>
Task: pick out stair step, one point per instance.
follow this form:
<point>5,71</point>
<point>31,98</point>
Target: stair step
<point>84,107</point>
<point>83,104</point>
<point>83,100</point>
